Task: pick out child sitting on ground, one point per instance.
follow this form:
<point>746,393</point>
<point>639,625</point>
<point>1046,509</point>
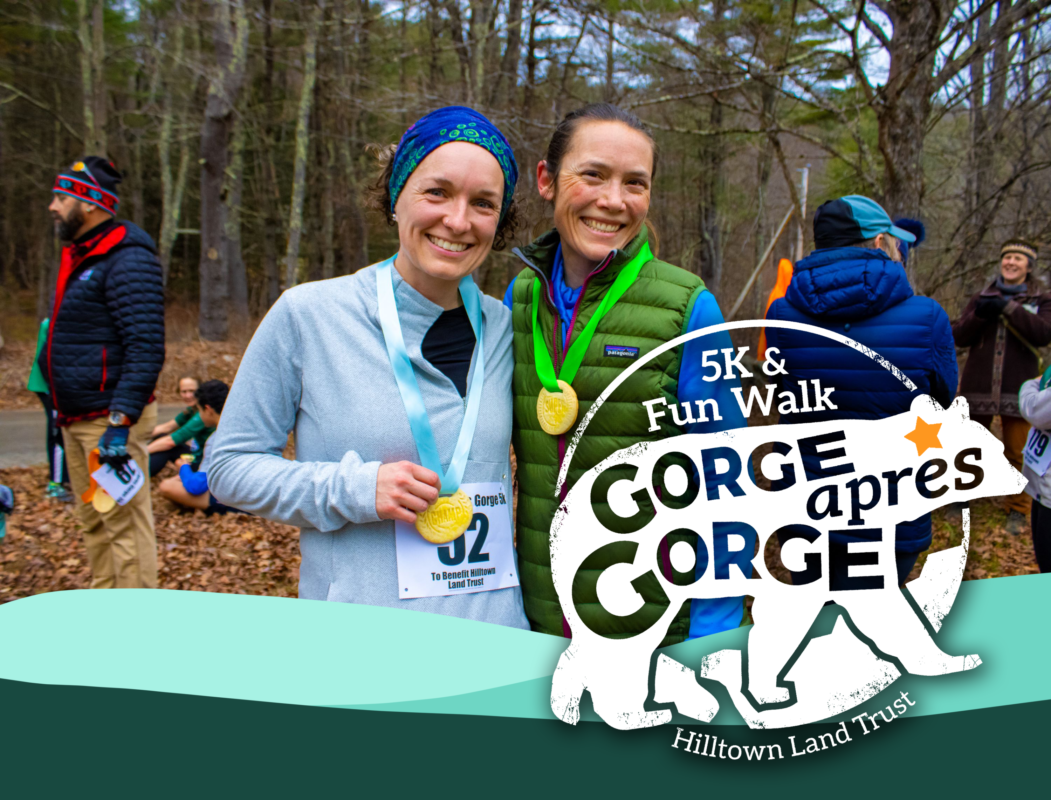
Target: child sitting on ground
<point>190,488</point>
<point>183,435</point>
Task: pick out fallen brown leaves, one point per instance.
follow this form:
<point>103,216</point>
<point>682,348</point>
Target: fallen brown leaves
<point>43,550</point>
<point>205,360</point>
<point>994,553</point>
<point>16,360</point>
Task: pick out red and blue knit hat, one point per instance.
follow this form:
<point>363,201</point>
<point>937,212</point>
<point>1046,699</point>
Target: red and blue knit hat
<point>93,180</point>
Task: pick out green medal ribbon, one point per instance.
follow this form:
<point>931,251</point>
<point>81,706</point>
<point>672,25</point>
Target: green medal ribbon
<point>545,368</point>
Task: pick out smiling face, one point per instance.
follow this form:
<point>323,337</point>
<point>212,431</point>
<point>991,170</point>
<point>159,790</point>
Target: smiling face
<point>601,193</point>
<point>188,391</point>
<point>447,217</point>
<point>1013,267</point>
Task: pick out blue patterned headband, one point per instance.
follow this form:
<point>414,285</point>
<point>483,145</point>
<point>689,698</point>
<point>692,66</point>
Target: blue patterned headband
<point>452,124</point>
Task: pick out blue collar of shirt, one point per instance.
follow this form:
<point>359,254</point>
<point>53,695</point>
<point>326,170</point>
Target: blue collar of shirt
<point>565,298</point>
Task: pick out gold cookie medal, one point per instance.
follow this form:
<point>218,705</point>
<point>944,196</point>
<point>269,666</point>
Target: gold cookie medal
<point>102,502</point>
<point>446,518</point>
<point>557,411</point>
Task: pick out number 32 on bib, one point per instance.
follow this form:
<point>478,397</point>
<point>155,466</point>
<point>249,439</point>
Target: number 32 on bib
<point>482,559</point>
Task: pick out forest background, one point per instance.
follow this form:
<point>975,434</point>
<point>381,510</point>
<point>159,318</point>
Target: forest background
<point>242,126</point>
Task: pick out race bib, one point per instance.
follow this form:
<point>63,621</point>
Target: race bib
<point>482,559</point>
<point>1037,453</point>
<point>120,484</point>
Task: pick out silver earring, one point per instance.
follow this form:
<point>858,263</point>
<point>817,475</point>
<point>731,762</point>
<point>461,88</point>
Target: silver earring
<point>394,217</point>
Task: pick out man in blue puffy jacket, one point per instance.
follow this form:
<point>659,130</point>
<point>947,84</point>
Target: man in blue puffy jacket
<point>103,353</point>
<point>855,284</point>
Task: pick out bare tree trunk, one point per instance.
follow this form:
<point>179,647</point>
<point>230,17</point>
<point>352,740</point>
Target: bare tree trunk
<point>328,215</point>
<point>987,106</point>
<point>235,264</point>
<point>712,180</point>
<point>508,73</point>
<point>403,36</point>
<point>169,211</point>
<point>433,46</point>
<point>462,52</point>
<point>98,58</point>
<point>92,54</point>
<point>299,173</point>
<point>50,263</point>
<point>609,92</point>
<point>271,197</point>
<point>491,51</point>
<point>231,48</point>
<point>535,9</point>
<point>906,106</point>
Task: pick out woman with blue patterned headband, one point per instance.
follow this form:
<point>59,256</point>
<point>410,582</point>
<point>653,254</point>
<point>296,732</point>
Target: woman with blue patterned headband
<point>400,486</point>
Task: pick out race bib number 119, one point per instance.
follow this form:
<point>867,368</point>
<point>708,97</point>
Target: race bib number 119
<point>1037,453</point>
<point>482,559</point>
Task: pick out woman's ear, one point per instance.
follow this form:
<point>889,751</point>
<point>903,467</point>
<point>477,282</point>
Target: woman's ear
<point>545,182</point>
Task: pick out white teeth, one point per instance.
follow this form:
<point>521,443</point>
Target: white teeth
<point>602,227</point>
<point>456,247</point>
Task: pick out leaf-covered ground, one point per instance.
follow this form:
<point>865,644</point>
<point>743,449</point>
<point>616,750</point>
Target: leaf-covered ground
<point>205,360</point>
<point>43,550</point>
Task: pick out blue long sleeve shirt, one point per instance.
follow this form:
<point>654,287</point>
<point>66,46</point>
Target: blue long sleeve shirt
<point>717,614</point>
<point>193,482</point>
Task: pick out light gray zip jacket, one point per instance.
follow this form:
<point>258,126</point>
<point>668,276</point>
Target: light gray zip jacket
<point>318,364</point>
<point>1035,407</point>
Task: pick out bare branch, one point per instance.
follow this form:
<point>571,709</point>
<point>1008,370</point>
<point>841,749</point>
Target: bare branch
<point>43,107</point>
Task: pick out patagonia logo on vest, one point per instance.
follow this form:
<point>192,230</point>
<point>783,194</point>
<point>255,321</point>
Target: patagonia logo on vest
<point>620,351</point>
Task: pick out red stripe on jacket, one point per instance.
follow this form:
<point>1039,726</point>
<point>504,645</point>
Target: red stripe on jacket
<point>73,255</point>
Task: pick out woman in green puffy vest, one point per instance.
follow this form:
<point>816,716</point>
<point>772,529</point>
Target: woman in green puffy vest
<point>591,300</point>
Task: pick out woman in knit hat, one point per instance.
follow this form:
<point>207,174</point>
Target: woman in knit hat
<point>1004,325</point>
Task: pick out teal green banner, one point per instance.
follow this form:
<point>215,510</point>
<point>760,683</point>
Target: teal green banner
<point>304,652</point>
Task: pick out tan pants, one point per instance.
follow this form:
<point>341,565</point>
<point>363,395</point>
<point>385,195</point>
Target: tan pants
<point>1014,436</point>
<point>121,544</point>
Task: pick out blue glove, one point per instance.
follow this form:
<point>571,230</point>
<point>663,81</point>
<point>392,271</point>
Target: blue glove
<point>113,446</point>
<point>7,500</point>
<point>7,505</point>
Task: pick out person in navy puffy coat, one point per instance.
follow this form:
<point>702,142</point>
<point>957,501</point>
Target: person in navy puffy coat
<point>103,353</point>
<point>854,283</point>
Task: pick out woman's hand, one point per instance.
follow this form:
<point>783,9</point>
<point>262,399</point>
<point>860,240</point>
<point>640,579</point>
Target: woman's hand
<point>403,489</point>
<point>990,306</point>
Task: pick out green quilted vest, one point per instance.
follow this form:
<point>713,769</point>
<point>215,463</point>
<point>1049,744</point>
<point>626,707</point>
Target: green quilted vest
<point>655,308</point>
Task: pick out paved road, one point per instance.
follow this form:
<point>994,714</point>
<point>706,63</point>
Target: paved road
<point>23,435</point>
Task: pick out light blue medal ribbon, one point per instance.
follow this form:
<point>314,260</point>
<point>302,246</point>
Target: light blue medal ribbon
<point>409,388</point>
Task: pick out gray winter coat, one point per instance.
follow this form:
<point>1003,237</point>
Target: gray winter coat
<point>318,365</point>
<point>1035,407</point>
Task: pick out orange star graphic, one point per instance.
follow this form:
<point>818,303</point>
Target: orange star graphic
<point>925,436</point>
